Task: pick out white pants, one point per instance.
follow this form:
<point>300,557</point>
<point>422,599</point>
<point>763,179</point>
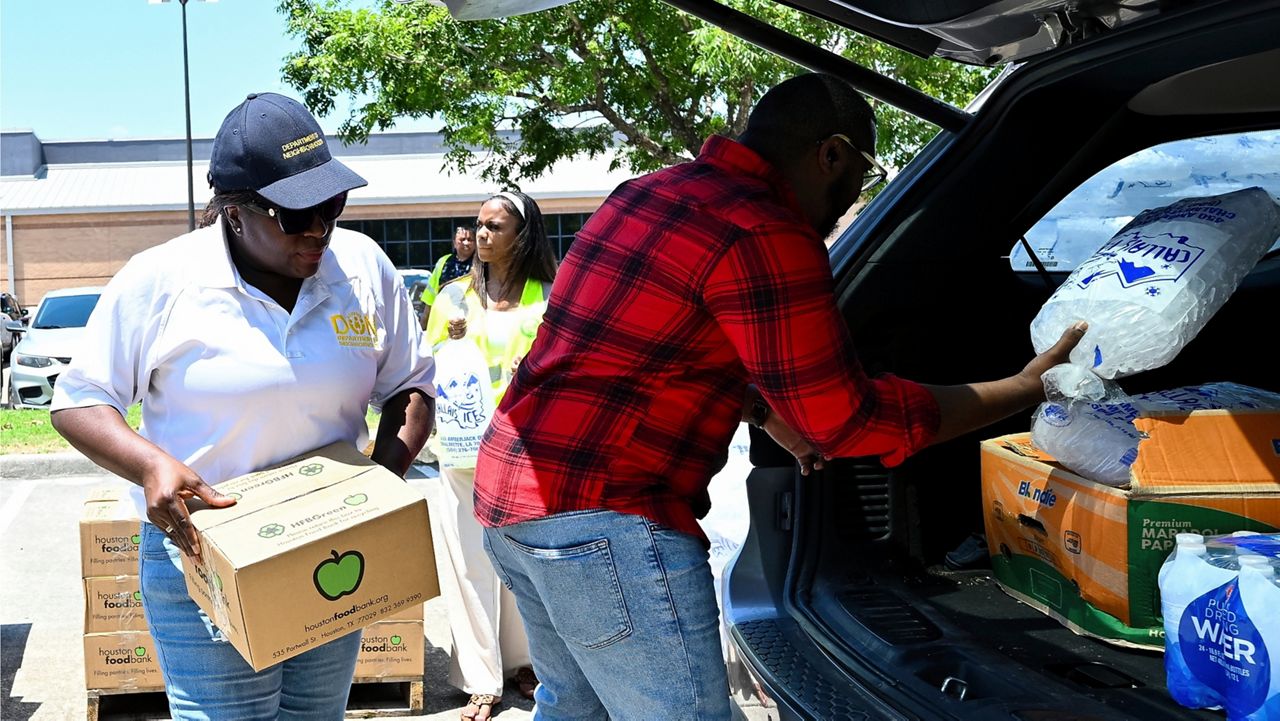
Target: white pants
<point>488,636</point>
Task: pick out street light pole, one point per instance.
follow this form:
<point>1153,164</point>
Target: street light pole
<point>186,88</point>
<point>186,91</point>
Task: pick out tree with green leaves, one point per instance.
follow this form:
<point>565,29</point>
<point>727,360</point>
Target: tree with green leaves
<point>637,76</point>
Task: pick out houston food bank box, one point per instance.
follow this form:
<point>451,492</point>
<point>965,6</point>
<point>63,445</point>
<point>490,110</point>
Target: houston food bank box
<point>314,549</point>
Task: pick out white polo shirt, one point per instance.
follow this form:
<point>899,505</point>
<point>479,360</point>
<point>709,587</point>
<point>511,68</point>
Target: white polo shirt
<point>229,381</point>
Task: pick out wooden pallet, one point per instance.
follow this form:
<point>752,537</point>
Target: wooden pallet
<point>385,697</point>
<point>370,698</point>
<point>131,704</point>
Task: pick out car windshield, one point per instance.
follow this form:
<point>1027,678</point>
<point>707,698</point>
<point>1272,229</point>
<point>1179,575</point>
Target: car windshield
<point>1151,178</point>
<point>65,311</point>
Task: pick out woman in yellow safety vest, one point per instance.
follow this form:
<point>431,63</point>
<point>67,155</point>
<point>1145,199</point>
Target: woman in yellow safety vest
<point>498,307</point>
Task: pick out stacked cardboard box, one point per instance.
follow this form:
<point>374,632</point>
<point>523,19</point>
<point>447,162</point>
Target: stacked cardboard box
<point>394,648</point>
<point>1088,554</point>
<point>118,652</point>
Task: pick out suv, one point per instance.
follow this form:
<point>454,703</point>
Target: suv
<point>839,605</point>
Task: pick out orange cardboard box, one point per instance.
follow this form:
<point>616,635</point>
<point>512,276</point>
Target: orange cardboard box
<point>314,549</point>
<point>1088,554</point>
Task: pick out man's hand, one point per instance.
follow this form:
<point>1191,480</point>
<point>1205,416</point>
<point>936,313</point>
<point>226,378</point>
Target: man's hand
<point>167,484</point>
<point>968,407</point>
<point>1057,355</point>
<point>795,444</point>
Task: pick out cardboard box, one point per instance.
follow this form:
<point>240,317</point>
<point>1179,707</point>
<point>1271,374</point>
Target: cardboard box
<point>109,536</point>
<point>314,549</point>
<point>121,661</point>
<point>413,613</point>
<point>1088,554</point>
<point>113,603</point>
<point>391,649</point>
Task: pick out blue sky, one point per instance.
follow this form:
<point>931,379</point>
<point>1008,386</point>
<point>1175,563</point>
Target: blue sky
<point>76,69</point>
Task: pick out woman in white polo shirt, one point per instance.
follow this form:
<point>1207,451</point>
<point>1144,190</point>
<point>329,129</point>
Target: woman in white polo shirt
<point>260,336</point>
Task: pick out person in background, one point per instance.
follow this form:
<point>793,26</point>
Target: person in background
<point>229,337</point>
<point>452,265</point>
<point>695,298</point>
<point>498,307</point>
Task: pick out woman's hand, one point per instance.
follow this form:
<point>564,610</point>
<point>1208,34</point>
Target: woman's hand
<point>167,484</point>
<point>457,328</point>
<point>100,433</point>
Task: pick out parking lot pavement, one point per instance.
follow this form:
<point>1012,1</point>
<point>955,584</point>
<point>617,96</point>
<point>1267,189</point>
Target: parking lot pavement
<point>42,608</point>
<point>42,601</point>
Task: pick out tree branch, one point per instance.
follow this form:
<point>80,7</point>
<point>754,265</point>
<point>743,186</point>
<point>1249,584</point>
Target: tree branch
<point>679,120</point>
<point>554,105</point>
<point>633,134</point>
<point>743,109</point>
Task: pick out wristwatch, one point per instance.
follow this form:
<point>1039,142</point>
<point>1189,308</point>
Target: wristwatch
<point>759,412</point>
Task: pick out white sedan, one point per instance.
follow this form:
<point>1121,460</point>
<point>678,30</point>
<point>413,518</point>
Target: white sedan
<point>47,345</point>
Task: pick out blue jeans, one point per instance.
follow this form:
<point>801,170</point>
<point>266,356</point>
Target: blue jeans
<point>206,679</point>
<point>621,617</point>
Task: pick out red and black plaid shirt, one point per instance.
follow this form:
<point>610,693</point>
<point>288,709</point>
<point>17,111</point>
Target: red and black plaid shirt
<point>684,286</point>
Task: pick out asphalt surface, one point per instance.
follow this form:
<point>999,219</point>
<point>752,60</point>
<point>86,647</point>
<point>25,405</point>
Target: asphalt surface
<point>42,608</point>
<point>42,599</point>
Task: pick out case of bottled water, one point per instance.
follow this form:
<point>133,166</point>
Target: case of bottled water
<point>1151,288</point>
<point>1098,440</point>
<point>1218,597</point>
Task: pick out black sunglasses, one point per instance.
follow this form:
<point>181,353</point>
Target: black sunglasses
<point>875,174</point>
<point>297,222</point>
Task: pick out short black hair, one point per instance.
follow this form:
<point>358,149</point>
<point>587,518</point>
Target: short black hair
<point>807,109</point>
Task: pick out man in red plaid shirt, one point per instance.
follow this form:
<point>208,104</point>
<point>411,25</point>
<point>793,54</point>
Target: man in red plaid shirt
<point>685,287</point>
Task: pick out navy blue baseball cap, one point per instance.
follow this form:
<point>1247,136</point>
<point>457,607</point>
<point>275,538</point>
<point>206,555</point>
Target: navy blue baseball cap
<point>272,145</point>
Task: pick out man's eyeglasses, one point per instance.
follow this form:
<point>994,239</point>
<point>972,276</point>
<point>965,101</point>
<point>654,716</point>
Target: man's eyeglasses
<point>874,175</point>
<point>297,222</point>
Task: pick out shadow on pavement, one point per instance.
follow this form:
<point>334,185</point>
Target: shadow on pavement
<point>13,646</point>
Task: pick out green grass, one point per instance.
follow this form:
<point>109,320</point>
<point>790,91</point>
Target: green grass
<point>24,430</point>
<point>29,431</point>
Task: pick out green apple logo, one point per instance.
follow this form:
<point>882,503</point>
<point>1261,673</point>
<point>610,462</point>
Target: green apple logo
<point>217,580</point>
<point>136,538</point>
<point>395,640</point>
<point>271,530</point>
<point>338,576</point>
<point>236,496</point>
<point>137,595</point>
<point>356,499</point>
<point>140,651</point>
<point>311,469</point>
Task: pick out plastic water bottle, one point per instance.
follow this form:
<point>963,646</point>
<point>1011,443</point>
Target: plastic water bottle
<point>1152,287</point>
<point>1098,439</point>
<point>1229,636</point>
<point>1183,578</point>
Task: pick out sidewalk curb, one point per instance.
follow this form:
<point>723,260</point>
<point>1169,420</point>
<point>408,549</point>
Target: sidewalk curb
<point>29,466</point>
